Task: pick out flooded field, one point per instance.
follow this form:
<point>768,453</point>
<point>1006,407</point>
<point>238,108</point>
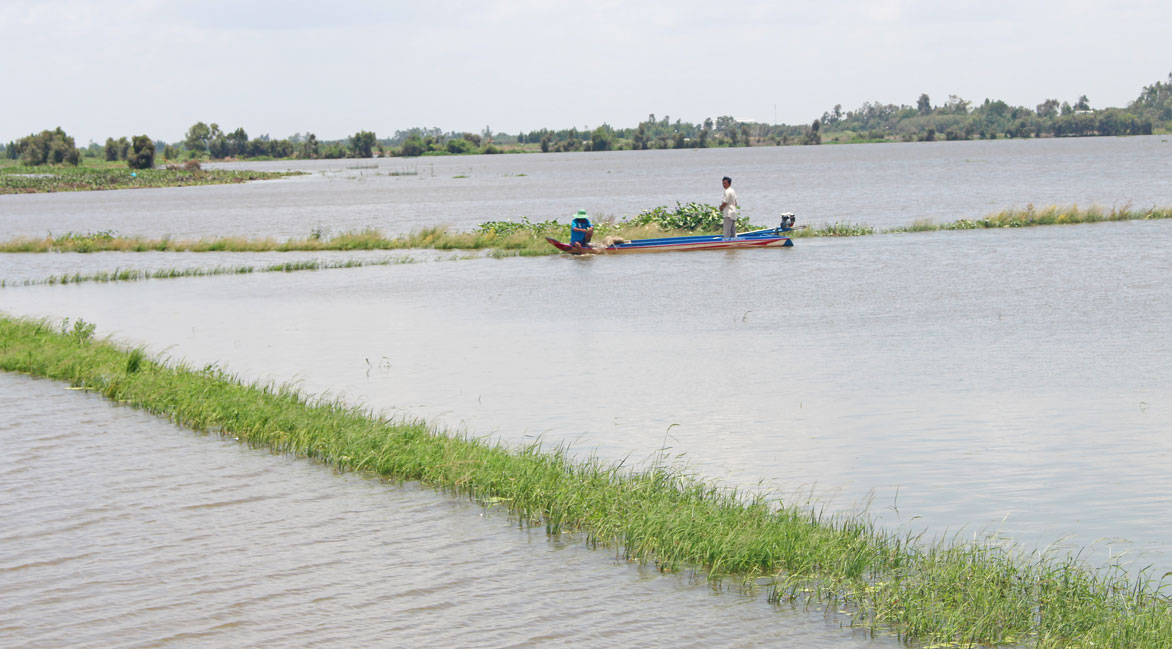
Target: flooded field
<point>880,185</point>
<point>1014,382</point>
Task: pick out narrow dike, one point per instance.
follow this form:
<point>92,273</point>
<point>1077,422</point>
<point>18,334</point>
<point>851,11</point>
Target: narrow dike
<point>958,593</point>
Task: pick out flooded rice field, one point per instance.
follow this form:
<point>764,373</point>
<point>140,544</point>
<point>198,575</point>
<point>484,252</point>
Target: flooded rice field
<point>1010,382</point>
<point>880,185</point>
<point>124,531</point>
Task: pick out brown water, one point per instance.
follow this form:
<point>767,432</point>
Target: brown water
<point>1014,382</point>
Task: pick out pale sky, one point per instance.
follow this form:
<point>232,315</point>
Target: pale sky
<point>102,68</point>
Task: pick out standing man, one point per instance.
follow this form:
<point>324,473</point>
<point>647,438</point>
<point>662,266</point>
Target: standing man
<point>728,208</point>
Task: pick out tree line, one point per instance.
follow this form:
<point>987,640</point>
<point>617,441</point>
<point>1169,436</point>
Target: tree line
<point>956,119</point>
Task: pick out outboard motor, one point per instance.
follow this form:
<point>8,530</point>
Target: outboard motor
<point>787,220</point>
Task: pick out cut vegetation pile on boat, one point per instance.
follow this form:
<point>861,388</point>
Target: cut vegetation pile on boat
<point>956,592</point>
<point>763,238</point>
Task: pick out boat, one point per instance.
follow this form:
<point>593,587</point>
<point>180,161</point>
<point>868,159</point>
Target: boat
<point>766,238</point>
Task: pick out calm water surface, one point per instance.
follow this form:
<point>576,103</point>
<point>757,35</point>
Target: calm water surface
<point>1014,382</point>
<point>124,531</point>
<point>881,185</point>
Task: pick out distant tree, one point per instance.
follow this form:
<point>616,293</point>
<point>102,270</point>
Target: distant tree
<point>168,152</point>
<point>1154,102</point>
<point>111,149</point>
<point>237,142</point>
<point>46,147</point>
<point>956,106</point>
<point>602,138</point>
<point>310,148</point>
<point>639,139</point>
<point>1048,109</point>
<point>218,147</point>
<point>545,140</point>
<point>924,105</point>
<point>1083,103</point>
<point>143,154</point>
<point>362,144</point>
<point>412,147</point>
<point>259,147</point>
<point>333,151</point>
<point>459,145</point>
<point>198,137</point>
<point>282,148</point>
<point>813,134</point>
<point>727,126</point>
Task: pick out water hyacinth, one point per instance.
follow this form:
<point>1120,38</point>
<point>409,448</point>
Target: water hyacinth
<point>25,180</point>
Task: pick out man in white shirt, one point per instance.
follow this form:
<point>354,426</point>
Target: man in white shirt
<point>728,208</point>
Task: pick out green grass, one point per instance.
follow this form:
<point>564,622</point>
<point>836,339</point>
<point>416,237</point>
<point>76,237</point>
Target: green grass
<point>1031,216</point>
<point>523,237</point>
<point>951,593</point>
<point>133,275</point>
<point>16,179</point>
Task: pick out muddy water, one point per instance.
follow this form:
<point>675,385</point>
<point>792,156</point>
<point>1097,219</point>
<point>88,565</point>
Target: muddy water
<point>881,185</point>
<point>1014,382</point>
<point>123,531</point>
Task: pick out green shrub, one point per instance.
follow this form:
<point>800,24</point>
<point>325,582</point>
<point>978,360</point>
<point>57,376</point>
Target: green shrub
<point>692,216</point>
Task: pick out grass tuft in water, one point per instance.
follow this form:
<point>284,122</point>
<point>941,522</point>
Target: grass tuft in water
<point>952,593</point>
<point>132,275</point>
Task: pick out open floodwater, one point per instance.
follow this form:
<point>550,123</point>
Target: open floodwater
<point>1012,382</point>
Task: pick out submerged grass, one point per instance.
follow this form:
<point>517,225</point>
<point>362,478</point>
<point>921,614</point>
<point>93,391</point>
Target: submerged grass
<point>958,593</point>
<point>133,275</point>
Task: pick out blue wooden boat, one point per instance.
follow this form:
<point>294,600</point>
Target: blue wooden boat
<point>766,238</point>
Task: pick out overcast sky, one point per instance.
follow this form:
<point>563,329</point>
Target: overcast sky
<point>103,68</point>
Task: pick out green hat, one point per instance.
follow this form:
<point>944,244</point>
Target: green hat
<point>581,212</point>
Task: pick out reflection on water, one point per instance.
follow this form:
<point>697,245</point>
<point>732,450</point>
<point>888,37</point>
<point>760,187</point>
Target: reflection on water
<point>881,185</point>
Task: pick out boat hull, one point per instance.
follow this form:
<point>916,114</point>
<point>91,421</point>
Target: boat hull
<point>679,244</point>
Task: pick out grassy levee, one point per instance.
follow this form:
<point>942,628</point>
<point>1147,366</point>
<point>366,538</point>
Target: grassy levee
<point>1014,218</point>
<point>528,239</point>
<point>1051,215</point>
<point>529,242</point>
<point>953,592</point>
